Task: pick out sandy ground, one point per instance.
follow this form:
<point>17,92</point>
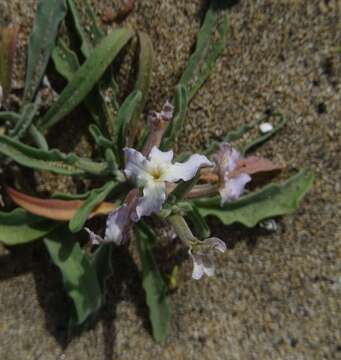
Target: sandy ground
<point>274,297</point>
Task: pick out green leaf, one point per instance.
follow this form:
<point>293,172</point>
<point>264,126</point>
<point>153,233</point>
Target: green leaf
<point>99,138</point>
<point>272,200</point>
<point>237,134</point>
<point>24,122</point>
<point>86,76</point>
<point>175,126</point>
<point>19,227</point>
<point>143,81</point>
<point>50,160</point>
<point>79,277</point>
<point>45,28</point>
<point>65,60</point>
<point>86,25</point>
<point>153,284</point>
<point>261,139</point>
<point>101,262</point>
<point>199,224</point>
<point>210,43</point>
<point>125,116</point>
<point>95,198</point>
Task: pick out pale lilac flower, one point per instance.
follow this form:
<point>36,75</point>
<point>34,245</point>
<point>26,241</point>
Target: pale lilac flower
<point>202,254</point>
<point>226,160</point>
<point>116,227</point>
<point>152,174</point>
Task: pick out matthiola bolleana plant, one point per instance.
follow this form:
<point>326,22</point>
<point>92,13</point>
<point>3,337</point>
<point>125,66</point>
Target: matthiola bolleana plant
<point>134,183</point>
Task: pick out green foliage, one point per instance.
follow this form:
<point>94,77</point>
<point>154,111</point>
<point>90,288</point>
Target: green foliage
<point>20,227</point>
<point>79,275</point>
<point>237,134</point>
<point>144,74</point>
<point>65,60</point>
<point>95,197</point>
<point>210,43</point>
<point>45,28</point>
<point>24,122</point>
<point>50,160</point>
<point>153,284</point>
<point>272,200</point>
<point>175,126</point>
<point>101,262</point>
<point>198,222</point>
<point>85,24</point>
<point>125,116</point>
<point>86,76</point>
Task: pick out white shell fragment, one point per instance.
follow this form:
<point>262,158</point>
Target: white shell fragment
<point>265,127</point>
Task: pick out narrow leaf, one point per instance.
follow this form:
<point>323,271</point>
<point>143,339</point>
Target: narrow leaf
<point>62,210</point>
<point>50,160</point>
<point>144,74</point>
<point>86,25</point>
<point>272,200</point>
<point>125,116</point>
<point>19,227</point>
<point>153,284</point>
<point>86,76</point>
<point>175,126</point>
<point>96,197</point>
<point>79,277</point>
<point>25,121</point>
<point>45,28</point>
<point>200,226</point>
<point>101,262</point>
<point>65,60</point>
<point>210,43</point>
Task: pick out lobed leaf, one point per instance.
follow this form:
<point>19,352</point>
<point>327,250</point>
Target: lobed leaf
<point>20,227</point>
<point>272,200</point>
<point>86,76</point>
<point>79,276</point>
<point>49,15</point>
<point>153,284</point>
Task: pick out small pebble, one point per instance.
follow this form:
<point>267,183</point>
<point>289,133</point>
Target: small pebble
<point>269,225</point>
<point>265,127</point>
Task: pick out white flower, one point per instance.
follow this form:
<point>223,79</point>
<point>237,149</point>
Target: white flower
<point>226,160</point>
<point>116,227</point>
<point>202,254</point>
<point>153,173</point>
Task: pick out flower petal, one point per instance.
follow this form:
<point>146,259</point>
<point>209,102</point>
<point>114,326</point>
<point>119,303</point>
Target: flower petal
<point>233,187</point>
<point>187,170</point>
<point>216,244</point>
<point>208,265</point>
<point>198,268</point>
<point>136,165</point>
<point>94,238</point>
<point>154,195</point>
<point>160,157</point>
<point>117,221</point>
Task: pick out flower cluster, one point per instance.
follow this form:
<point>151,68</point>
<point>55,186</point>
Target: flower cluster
<point>152,171</point>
